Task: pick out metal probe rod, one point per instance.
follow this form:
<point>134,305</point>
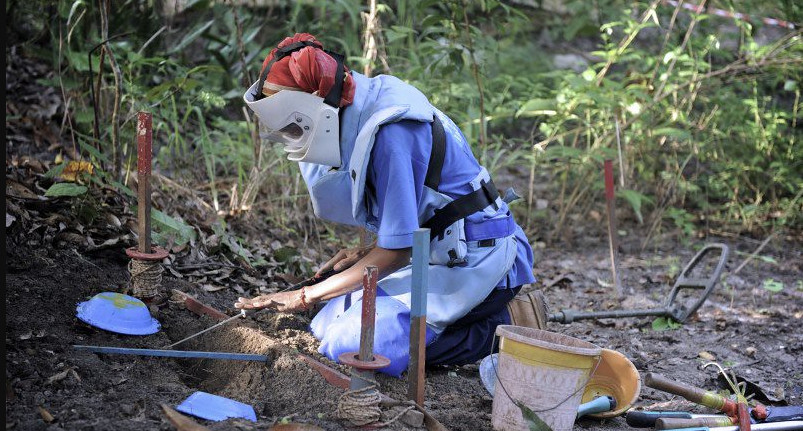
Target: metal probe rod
<point>221,323</point>
<point>172,353</point>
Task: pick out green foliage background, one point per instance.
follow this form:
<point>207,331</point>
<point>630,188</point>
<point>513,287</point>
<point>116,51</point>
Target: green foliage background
<point>700,113</point>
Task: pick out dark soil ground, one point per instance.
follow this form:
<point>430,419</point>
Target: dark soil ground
<point>739,326</point>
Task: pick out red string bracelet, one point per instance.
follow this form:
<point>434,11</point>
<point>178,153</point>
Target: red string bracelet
<point>304,298</point>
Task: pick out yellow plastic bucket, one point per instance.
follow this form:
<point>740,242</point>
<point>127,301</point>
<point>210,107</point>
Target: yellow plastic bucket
<point>545,371</point>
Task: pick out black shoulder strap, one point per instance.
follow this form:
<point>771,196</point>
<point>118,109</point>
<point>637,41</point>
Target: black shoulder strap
<point>462,206</point>
<point>436,156</point>
<point>333,98</point>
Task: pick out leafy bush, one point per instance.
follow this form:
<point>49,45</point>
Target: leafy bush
<point>701,118</point>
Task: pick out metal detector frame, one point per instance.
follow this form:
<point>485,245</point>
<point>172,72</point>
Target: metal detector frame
<point>678,313</point>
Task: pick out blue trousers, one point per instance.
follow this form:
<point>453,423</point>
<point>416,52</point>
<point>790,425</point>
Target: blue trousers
<point>465,341</point>
<point>470,338</point>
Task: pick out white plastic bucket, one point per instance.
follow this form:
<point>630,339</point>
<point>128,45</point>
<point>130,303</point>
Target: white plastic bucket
<point>545,371</point>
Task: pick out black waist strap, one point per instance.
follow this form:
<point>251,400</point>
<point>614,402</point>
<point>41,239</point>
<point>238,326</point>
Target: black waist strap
<point>462,207</point>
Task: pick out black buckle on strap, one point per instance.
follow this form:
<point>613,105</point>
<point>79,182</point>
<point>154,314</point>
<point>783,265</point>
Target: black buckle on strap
<point>462,207</point>
<point>454,261</point>
<point>490,191</point>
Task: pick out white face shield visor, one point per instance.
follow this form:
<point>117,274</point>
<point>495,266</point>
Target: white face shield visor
<point>309,128</point>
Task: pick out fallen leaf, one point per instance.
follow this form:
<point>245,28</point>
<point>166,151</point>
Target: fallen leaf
<point>604,283</point>
<point>33,164</point>
<point>112,220</point>
<point>181,422</point>
<point>72,238</point>
<point>558,279</point>
<point>107,244</point>
<point>212,288</point>
<point>707,356</point>
<point>290,278</point>
<point>18,190</point>
<point>9,219</point>
<point>59,377</point>
<point>46,416</point>
<point>174,272</point>
<point>26,336</point>
<point>254,281</point>
<point>74,168</point>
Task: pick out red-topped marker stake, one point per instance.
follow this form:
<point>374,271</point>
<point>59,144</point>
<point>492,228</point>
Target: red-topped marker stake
<point>144,161</point>
<point>145,277</point>
<point>366,361</point>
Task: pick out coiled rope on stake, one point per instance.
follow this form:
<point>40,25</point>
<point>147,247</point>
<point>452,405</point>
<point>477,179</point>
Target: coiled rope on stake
<point>361,406</point>
<point>146,278</point>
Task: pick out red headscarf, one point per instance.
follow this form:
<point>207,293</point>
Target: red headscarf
<point>309,69</point>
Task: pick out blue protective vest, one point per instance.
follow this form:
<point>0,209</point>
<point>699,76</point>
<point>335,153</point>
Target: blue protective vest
<point>338,194</point>
<point>382,100</point>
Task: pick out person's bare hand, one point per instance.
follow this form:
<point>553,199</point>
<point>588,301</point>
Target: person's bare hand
<point>280,301</point>
<point>344,259</point>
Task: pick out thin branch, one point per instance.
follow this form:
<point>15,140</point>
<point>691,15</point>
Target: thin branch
<point>118,88</point>
<point>674,60</point>
<point>256,141</point>
<point>64,96</point>
<point>754,254</point>
<point>666,37</point>
<point>369,36</point>
<point>626,42</point>
<point>152,38</point>
<point>475,70</point>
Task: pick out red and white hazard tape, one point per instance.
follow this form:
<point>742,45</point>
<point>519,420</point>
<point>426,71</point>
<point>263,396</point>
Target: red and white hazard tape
<point>727,14</point>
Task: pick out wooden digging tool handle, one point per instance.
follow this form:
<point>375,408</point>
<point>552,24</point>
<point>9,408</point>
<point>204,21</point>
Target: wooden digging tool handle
<point>695,395</point>
<point>743,415</point>
<point>774,426</point>
<point>418,316</point>
<point>673,423</point>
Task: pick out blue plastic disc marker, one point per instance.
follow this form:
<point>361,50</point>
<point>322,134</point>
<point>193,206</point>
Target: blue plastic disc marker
<point>119,313</point>
<point>215,408</point>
